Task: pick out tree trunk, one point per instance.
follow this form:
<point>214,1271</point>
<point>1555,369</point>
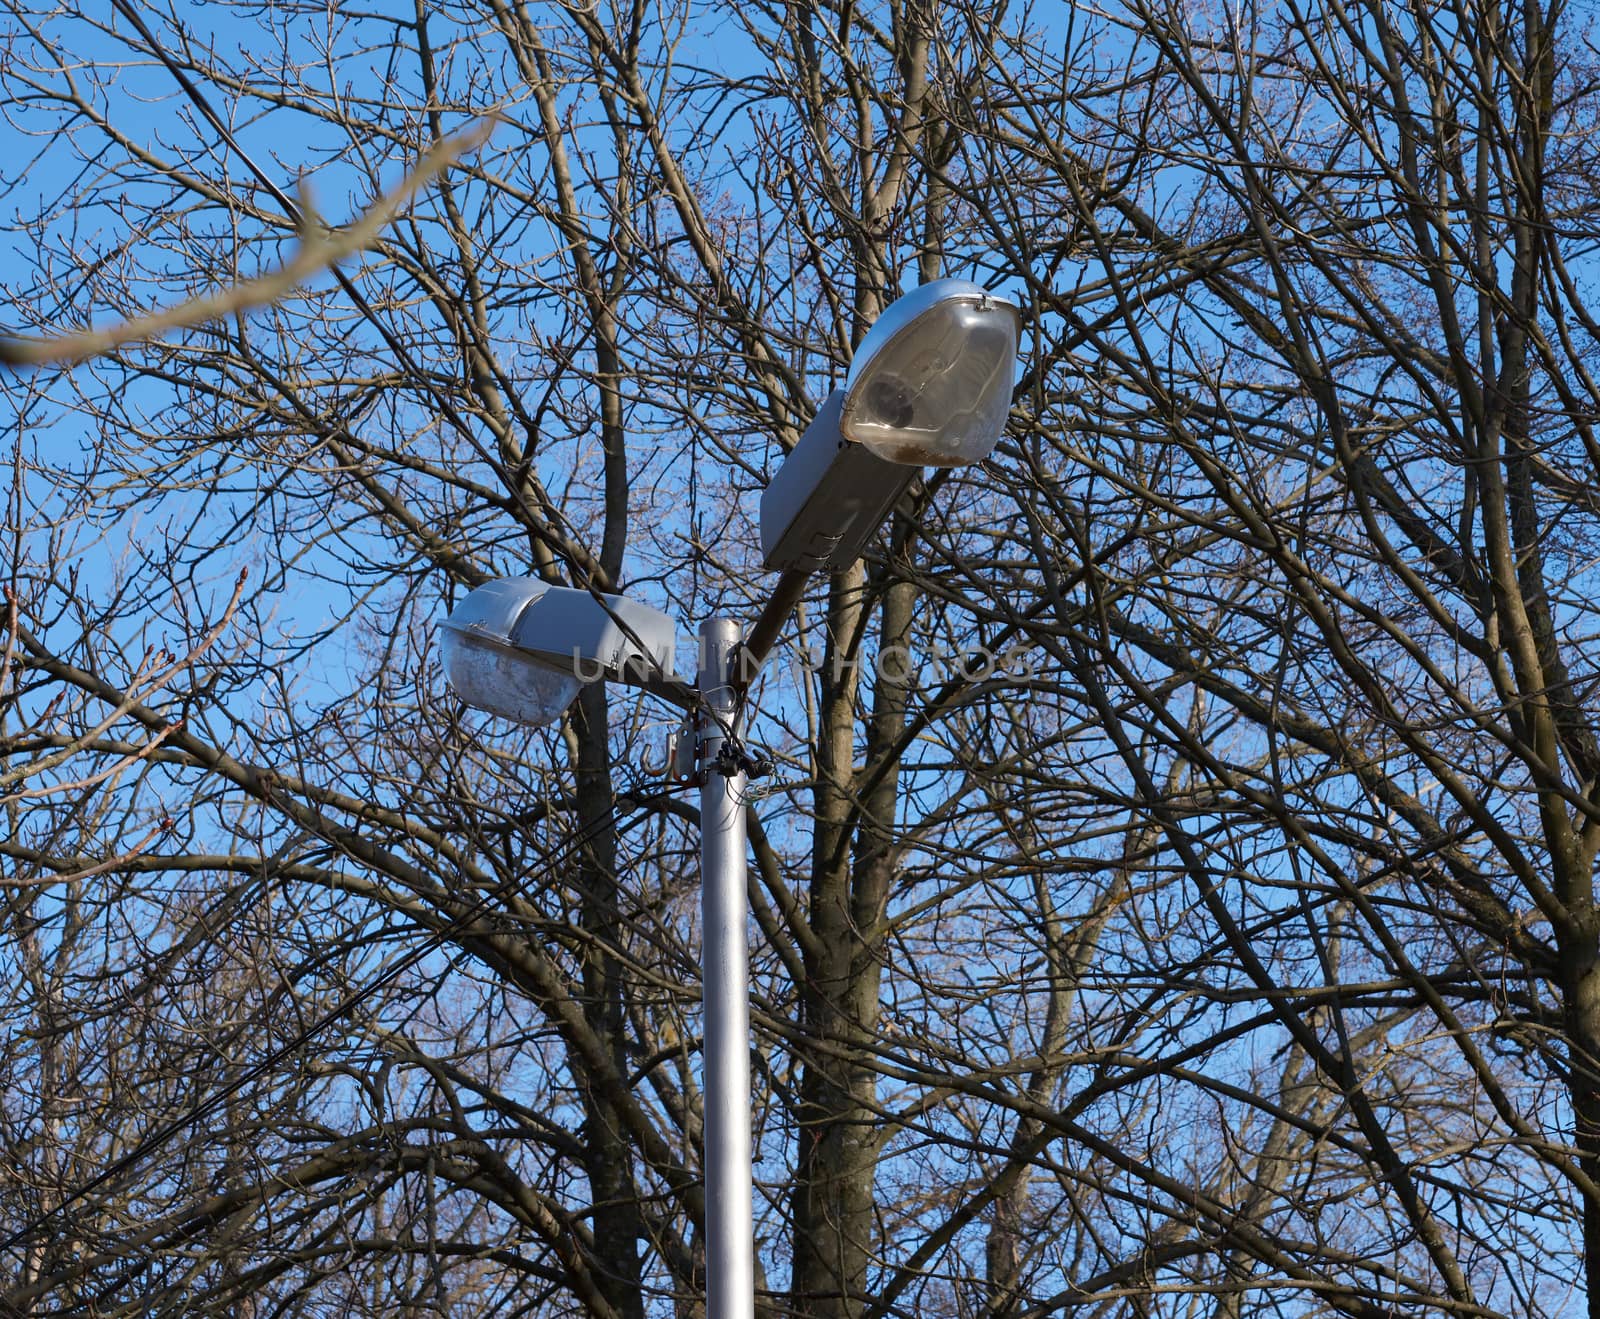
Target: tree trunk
<point>607,1157</point>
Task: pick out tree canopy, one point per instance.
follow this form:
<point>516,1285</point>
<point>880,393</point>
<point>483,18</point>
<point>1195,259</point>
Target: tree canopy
<point>1197,918</point>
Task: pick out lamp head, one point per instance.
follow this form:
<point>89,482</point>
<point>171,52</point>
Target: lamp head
<point>931,383</point>
<point>521,648</point>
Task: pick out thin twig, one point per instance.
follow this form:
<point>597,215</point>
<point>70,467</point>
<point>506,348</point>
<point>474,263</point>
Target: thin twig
<point>111,863</point>
<point>143,683</point>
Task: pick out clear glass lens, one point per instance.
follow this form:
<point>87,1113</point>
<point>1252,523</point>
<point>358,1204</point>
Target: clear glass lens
<point>503,681</point>
<point>938,393</point>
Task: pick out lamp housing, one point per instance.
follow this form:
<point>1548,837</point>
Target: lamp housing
<point>521,648</point>
<point>931,382</point>
<point>827,498</point>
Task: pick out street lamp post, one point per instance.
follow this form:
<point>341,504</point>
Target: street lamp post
<point>930,386</point>
<point>725,978</point>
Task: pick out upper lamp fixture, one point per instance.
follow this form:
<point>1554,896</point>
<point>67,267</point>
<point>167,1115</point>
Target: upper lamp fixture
<point>930,386</point>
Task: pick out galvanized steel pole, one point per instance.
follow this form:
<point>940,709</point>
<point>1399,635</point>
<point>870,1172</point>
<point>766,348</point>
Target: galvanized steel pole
<point>725,976</point>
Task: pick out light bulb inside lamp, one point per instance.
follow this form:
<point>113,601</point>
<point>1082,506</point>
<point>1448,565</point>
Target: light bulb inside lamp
<point>931,384</point>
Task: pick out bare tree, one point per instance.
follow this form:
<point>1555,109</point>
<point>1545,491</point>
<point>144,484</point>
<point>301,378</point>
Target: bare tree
<point>1200,922</point>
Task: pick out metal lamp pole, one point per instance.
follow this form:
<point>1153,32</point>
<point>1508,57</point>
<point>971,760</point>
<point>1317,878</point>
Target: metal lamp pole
<point>725,971</point>
<point>727,667</point>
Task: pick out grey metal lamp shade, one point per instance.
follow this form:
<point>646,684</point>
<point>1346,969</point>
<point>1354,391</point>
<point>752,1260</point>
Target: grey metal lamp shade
<point>521,648</point>
<point>827,498</point>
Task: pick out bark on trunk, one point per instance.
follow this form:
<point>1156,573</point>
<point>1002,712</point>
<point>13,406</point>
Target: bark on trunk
<point>607,1158</point>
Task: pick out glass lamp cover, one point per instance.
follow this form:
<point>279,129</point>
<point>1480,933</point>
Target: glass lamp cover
<point>931,383</point>
<point>486,671</point>
<point>494,677</point>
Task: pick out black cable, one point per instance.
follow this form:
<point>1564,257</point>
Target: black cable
<point>208,1105</point>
